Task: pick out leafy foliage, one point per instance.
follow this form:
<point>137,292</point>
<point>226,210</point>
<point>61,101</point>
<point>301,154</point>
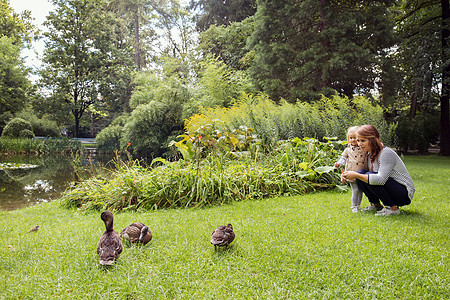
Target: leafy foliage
<point>15,127</point>
<point>108,140</point>
<point>211,180</point>
<point>228,43</point>
<point>213,12</point>
<point>41,126</point>
<point>149,127</point>
<point>271,122</point>
<point>13,77</point>
<point>219,85</point>
<point>307,48</point>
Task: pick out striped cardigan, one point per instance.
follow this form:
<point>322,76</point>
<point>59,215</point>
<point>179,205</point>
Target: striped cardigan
<point>389,165</point>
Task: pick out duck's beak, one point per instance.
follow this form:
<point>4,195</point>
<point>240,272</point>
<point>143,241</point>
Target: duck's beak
<point>106,262</point>
<point>143,232</point>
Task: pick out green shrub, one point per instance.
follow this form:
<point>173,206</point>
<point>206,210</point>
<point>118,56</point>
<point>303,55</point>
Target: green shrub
<point>108,140</point>
<point>218,86</point>
<point>41,126</point>
<point>26,134</point>
<point>46,128</point>
<point>15,126</point>
<point>271,122</point>
<point>4,119</point>
<point>149,126</point>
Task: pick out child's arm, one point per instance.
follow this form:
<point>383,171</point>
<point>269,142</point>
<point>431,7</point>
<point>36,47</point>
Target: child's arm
<point>342,160</point>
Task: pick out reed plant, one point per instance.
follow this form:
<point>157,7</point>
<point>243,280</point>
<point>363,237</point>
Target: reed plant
<point>21,146</point>
<point>211,176</point>
<point>39,146</point>
<point>271,121</point>
<point>300,247</point>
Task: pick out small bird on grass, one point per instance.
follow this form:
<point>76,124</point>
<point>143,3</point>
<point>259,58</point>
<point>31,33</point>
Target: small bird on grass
<point>35,229</point>
<point>222,236</point>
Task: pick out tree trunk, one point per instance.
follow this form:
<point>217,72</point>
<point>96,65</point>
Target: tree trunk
<point>324,6</point>
<point>413,107</point>
<point>77,122</point>
<point>137,54</point>
<point>445,125</point>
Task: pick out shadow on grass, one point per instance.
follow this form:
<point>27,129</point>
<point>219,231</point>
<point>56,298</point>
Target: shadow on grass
<point>223,252</point>
<point>107,268</point>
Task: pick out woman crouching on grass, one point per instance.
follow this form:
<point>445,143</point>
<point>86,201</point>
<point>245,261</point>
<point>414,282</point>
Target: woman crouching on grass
<point>387,180</point>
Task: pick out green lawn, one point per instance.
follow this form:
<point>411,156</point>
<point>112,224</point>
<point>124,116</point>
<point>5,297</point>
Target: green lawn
<point>303,247</point>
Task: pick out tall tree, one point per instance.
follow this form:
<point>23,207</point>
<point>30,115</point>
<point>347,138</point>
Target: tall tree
<point>142,16</point>
<point>15,31</point>
<point>425,63</point>
<point>445,36</point>
<point>77,55</point>
<point>228,43</point>
<point>221,12</point>
<point>307,48</point>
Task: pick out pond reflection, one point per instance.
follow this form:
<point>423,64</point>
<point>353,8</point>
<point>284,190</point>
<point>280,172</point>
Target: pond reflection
<point>24,187</point>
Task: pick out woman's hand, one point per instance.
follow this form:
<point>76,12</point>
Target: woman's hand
<point>349,175</point>
<point>343,180</point>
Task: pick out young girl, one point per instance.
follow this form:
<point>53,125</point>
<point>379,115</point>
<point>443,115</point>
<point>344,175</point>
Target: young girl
<point>354,159</point>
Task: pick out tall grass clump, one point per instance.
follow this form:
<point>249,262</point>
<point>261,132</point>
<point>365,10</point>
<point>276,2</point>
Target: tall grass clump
<point>216,168</point>
<point>329,117</point>
<point>63,146</point>
<point>21,146</point>
<point>39,147</point>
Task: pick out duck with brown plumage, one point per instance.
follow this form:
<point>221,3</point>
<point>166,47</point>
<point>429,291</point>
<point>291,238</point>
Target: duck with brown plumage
<point>222,236</point>
<point>109,245</point>
<point>137,233</point>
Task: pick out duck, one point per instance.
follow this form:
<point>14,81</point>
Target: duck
<point>109,245</point>
<point>137,233</point>
<point>222,236</point>
<point>34,229</point>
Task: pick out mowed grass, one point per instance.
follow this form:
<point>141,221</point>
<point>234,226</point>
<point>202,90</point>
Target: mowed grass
<point>303,247</point>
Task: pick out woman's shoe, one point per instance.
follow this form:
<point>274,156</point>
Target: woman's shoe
<point>388,211</point>
<point>372,207</point>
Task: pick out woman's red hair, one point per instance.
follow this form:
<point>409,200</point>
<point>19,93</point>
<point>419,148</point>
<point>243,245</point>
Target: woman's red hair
<point>371,133</point>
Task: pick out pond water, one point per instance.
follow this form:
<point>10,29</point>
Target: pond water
<point>45,179</point>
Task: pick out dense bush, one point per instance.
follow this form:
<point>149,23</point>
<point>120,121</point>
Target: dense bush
<point>44,127</point>
<point>271,122</point>
<point>14,128</point>
<point>149,126</point>
<point>4,119</point>
<point>218,86</point>
<point>26,134</point>
<point>419,133</point>
<point>108,140</point>
<point>41,126</point>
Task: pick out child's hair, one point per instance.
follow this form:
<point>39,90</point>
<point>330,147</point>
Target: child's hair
<point>352,129</point>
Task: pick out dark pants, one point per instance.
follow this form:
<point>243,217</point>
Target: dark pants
<point>391,193</point>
